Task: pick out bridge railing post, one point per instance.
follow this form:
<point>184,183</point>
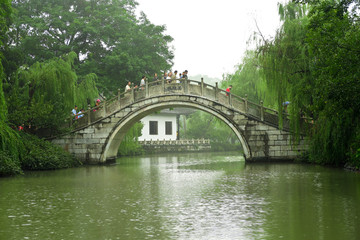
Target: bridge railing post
<point>132,93</point>
<point>119,97</point>
<point>202,86</point>
<point>216,91</point>
<point>230,99</point>
<point>183,86</point>
<point>89,114</point>
<point>146,88</point>
<point>246,103</point>
<point>104,109</point>
<point>163,86</point>
<point>71,120</point>
<point>186,82</point>
<point>262,110</point>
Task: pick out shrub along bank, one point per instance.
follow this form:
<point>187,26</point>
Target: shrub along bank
<point>28,152</point>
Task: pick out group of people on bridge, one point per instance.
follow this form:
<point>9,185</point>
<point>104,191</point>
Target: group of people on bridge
<point>170,77</point>
<point>76,115</point>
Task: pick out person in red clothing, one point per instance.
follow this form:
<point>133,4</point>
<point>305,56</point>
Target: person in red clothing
<point>228,90</point>
<point>96,105</point>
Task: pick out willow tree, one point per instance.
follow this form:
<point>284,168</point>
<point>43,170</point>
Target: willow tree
<point>4,23</point>
<point>248,80</point>
<point>333,38</point>
<point>10,144</point>
<point>313,62</point>
<point>286,64</point>
<point>42,96</point>
<point>86,91</point>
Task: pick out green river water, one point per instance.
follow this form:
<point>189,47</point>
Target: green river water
<point>183,196</point>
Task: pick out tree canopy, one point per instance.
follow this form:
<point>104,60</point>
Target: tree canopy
<point>106,35</point>
<point>5,12</point>
<point>334,45</point>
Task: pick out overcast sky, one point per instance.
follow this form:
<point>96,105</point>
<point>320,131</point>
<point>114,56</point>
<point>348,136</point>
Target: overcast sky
<point>210,37</point>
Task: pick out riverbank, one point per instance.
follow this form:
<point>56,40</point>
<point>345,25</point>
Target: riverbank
<point>35,154</point>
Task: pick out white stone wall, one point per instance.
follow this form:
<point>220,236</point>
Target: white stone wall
<point>161,118</point>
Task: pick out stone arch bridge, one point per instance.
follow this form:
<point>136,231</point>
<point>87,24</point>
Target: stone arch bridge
<point>96,136</point>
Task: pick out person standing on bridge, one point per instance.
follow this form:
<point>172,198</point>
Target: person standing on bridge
<point>128,87</point>
<point>286,104</point>
<point>73,112</point>
<point>81,113</point>
<point>97,105</point>
<point>185,74</point>
<point>169,77</point>
<point>228,90</point>
<point>173,76</point>
<point>155,78</point>
<point>142,83</point>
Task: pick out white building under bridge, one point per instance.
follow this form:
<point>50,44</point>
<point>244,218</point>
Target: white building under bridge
<point>163,125</point>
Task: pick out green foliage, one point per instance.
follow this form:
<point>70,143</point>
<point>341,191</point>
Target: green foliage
<point>313,63</point>
<point>11,151</point>
<point>333,38</point>
<point>129,145</point>
<point>204,125</point>
<point>42,95</point>
<point>5,18</point>
<point>3,107</point>
<point>42,155</point>
<point>248,80</point>
<point>286,64</point>
<point>86,91</point>
<point>10,145</point>
<point>106,35</point>
<point>32,95</point>
<point>5,11</point>
<point>8,166</point>
<point>27,152</point>
<point>331,139</point>
<point>354,154</point>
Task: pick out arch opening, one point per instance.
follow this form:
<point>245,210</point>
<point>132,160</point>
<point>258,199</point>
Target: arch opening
<point>116,136</point>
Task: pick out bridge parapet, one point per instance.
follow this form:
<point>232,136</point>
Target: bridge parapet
<point>179,87</point>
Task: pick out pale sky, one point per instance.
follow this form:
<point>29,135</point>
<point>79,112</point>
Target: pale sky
<point>210,37</point>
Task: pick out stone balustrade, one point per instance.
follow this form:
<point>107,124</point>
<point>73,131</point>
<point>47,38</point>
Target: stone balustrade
<point>176,142</point>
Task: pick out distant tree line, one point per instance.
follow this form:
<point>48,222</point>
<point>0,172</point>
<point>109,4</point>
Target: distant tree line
<point>204,125</point>
<point>312,62</point>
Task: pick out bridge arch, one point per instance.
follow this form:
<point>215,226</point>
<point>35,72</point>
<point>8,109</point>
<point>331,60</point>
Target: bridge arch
<point>118,132</point>
<point>97,135</point>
